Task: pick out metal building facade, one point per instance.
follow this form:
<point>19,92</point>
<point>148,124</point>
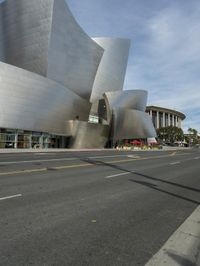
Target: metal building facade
<point>53,76</point>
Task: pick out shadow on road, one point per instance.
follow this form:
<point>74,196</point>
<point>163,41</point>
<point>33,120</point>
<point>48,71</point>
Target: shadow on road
<point>144,183</point>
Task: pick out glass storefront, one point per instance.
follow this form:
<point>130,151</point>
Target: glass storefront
<point>21,139</point>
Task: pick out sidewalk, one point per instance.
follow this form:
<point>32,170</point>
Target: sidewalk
<point>183,247</point>
<point>71,150</point>
<point>48,150</point>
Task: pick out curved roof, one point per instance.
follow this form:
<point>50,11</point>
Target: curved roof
<point>166,110</point>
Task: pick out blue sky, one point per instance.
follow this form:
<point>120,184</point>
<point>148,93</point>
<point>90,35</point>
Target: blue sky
<point>165,52</point>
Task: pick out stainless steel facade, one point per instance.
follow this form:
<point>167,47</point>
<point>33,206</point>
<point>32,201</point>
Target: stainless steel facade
<point>43,37</point>
<point>127,113</point>
<point>31,102</point>
<point>129,99</point>
<point>73,57</point>
<point>25,33</point>
<point>53,75</point>
<point>129,124</point>
<point>87,135</point>
<point>111,72</point>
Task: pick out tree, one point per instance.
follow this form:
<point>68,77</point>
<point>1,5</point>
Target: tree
<point>193,131</point>
<point>170,134</point>
<point>192,137</point>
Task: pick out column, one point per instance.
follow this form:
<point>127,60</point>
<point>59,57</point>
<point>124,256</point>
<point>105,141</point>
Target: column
<point>169,120</point>
<point>16,140</point>
<point>176,121</point>
<point>157,120</point>
<point>180,124</point>
<point>41,141</point>
<point>151,115</point>
<point>173,120</point>
<point>30,140</point>
<point>163,119</point>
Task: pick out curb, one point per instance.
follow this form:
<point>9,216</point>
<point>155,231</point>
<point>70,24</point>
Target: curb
<point>2,151</point>
<point>48,150</point>
<point>183,247</point>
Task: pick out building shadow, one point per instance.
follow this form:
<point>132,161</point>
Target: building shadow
<point>149,178</point>
<point>181,260</point>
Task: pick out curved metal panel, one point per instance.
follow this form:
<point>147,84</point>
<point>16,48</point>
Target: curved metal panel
<point>111,72</point>
<point>2,48</point>
<point>129,99</point>
<point>26,28</point>
<point>73,56</point>
<point>86,135</point>
<point>31,102</point>
<point>43,37</point>
<point>129,124</point>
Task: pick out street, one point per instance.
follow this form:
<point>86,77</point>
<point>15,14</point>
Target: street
<point>98,208</point>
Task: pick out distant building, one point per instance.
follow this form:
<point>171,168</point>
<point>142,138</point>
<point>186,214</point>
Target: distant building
<point>163,117</point>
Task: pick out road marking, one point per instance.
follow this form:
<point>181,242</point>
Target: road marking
<point>174,153</point>
<point>24,171</point>
<point>45,153</point>
<point>38,161</point>
<point>83,165</point>
<point>71,166</point>
<point>66,159</point>
<point>136,157</point>
<point>133,156</point>
<point>107,156</point>
<point>11,197</point>
<point>174,163</point>
<point>196,158</point>
<point>41,153</point>
<point>110,176</point>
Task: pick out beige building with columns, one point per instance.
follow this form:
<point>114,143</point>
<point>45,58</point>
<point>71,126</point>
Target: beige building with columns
<point>163,117</point>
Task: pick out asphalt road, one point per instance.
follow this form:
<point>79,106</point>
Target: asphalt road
<point>93,208</point>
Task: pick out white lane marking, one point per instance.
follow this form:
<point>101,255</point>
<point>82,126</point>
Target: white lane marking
<point>110,176</point>
<point>133,156</point>
<point>44,153</point>
<point>63,159</point>
<point>196,158</point>
<point>175,163</point>
<point>11,197</point>
<point>38,161</point>
<point>40,153</point>
<point>110,156</point>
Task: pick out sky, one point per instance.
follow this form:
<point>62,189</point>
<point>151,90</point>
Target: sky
<point>165,51</point>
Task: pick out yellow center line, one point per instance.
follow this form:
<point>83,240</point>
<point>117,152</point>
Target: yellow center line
<point>71,166</point>
<point>87,164</point>
<point>24,171</point>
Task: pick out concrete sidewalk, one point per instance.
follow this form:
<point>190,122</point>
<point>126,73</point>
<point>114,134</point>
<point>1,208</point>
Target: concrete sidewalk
<point>46,150</point>
<point>183,247</point>
<point>75,150</point>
